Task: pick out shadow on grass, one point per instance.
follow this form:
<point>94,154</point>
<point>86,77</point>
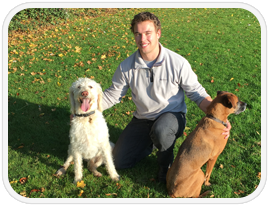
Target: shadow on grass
<point>40,133</point>
<point>37,129</point>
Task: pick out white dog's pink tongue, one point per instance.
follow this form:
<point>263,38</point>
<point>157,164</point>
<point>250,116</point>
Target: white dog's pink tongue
<point>85,105</point>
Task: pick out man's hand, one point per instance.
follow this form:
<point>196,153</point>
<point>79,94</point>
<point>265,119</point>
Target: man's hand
<point>227,130</point>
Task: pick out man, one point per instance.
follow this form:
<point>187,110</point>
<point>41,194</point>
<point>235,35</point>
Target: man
<point>158,79</point>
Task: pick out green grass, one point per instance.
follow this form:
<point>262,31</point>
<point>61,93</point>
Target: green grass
<point>222,45</point>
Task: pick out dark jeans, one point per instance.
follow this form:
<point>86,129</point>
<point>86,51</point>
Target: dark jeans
<point>141,136</point>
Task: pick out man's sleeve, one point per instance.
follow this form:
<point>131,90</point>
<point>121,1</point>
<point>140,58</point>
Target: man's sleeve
<point>116,91</point>
<point>189,82</point>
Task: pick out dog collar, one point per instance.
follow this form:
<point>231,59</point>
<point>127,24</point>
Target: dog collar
<point>217,120</point>
<point>85,115</point>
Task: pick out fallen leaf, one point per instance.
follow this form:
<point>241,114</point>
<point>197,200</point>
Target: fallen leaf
<point>78,49</point>
<point>111,194</point>
<point>231,79</point>
<point>221,166</point>
<point>103,57</point>
<point>185,133</point>
<point>127,112</point>
<point>118,185</point>
<point>23,180</point>
<point>23,193</point>
<point>34,190</point>
<point>81,192</point>
<point>81,184</point>
<point>259,175</point>
<point>13,182</point>
<point>100,67</point>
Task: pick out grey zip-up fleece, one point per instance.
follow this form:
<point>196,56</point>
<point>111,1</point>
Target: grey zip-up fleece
<point>158,89</point>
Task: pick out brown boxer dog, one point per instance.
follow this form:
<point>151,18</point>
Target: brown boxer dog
<point>203,145</point>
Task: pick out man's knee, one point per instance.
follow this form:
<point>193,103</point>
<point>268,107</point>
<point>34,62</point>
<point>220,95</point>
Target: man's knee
<point>162,137</point>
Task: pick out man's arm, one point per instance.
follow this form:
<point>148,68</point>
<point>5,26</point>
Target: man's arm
<point>116,91</point>
<point>205,102</point>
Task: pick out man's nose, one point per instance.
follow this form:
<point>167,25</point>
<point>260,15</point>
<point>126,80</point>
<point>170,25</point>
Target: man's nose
<point>143,37</point>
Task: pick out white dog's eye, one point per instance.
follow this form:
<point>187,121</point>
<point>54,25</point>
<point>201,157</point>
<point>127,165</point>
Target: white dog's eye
<point>79,87</point>
<point>90,87</point>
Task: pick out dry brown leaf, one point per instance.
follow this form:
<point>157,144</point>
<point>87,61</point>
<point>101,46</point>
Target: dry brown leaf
<point>23,180</point>
<point>23,193</point>
<point>34,190</point>
<point>259,175</point>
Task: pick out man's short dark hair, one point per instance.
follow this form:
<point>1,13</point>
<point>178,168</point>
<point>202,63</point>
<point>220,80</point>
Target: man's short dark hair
<point>145,16</point>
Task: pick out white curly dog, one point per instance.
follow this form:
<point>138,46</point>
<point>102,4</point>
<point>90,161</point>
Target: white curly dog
<point>89,136</point>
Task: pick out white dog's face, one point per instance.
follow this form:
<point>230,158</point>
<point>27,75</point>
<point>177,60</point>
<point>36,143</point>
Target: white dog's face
<point>85,96</point>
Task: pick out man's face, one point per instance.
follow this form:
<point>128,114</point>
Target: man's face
<point>146,38</point>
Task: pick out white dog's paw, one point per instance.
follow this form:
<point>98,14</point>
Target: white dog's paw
<point>116,177</point>
<point>60,172</point>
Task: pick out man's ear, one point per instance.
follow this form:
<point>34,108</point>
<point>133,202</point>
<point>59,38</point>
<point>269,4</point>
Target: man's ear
<point>159,33</point>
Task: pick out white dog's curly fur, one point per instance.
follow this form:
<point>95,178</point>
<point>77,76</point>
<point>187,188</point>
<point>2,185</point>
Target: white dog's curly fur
<point>89,136</point>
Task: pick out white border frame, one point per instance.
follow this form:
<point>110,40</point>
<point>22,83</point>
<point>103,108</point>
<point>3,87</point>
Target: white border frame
<point>137,5</point>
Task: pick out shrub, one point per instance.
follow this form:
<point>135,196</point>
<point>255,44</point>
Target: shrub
<point>35,17</point>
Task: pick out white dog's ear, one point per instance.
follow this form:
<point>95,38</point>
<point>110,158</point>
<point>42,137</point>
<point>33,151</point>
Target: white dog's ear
<point>71,100</point>
<point>100,96</point>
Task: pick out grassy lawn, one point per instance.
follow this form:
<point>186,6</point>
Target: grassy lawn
<point>223,48</point>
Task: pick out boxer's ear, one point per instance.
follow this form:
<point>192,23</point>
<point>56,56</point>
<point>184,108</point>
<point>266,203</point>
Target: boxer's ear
<point>230,100</point>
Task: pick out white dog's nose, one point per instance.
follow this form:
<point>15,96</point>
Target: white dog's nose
<point>84,93</point>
